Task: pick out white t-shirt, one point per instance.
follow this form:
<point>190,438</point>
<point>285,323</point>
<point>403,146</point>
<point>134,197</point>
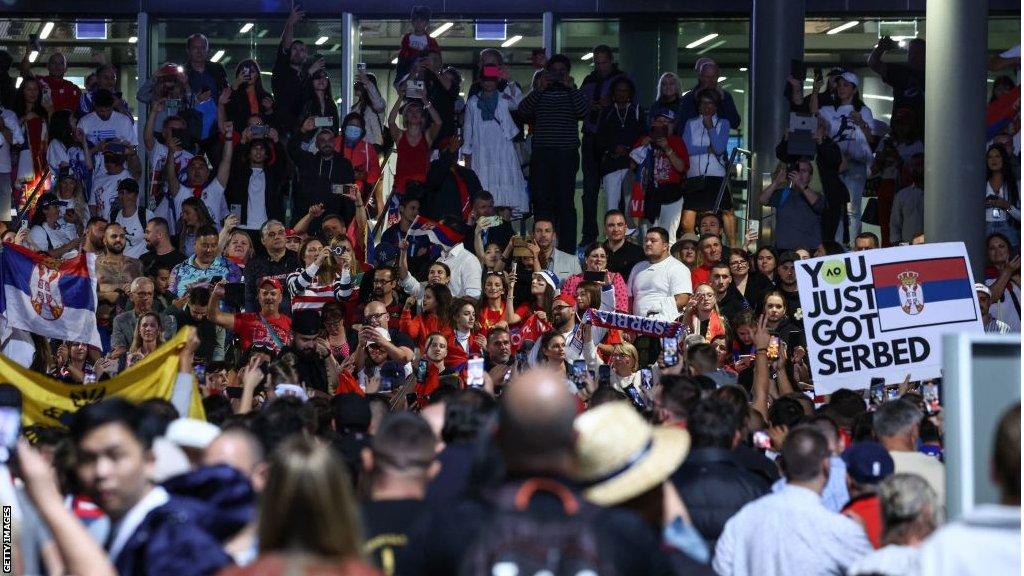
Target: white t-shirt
<point>10,119</point>
<point>847,135</point>
<point>212,196</point>
<point>58,237</point>
<point>134,233</point>
<point>654,287</point>
<point>256,213</point>
<point>118,126</point>
<point>57,154</point>
<point>157,158</point>
<point>1005,306</point>
<point>104,190</point>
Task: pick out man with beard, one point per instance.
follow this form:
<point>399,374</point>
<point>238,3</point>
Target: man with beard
<point>399,346</point>
<point>114,270</point>
<point>193,313</point>
<point>622,254</point>
<point>198,184</point>
<point>317,368</point>
<point>267,326</point>
<point>319,172</point>
<point>92,239</point>
<point>203,266</point>
<point>498,355</point>
<point>276,262</point>
<point>482,207</point>
<point>386,290</point>
<point>159,249</point>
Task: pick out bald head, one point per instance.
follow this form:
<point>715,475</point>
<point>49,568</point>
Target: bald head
<point>375,313</point>
<point>239,449</point>
<point>535,432</point>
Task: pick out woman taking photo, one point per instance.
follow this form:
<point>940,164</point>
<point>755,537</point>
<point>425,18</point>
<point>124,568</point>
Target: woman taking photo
<point>360,152</point>
<point>1002,199</point>
<point>318,101</point>
<point>246,98</point>
<point>706,137</point>
<point>324,278</point>
<point>434,316</point>
<point>596,261</point>
<point>850,125</point>
<point>413,142</point>
<point>702,315</point>
<point>542,297</point>
<point>194,216</point>
<point>663,162</point>
<point>369,106</point>
<point>1003,279</point>
<point>487,132</point>
<point>308,520</point>
<point>751,285</point>
<point>73,365</point>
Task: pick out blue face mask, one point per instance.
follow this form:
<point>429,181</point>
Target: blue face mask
<point>353,133</point>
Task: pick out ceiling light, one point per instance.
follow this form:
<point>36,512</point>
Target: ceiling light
<point>737,90</point>
<point>245,28</point>
<point>45,32</point>
<point>133,39</point>
<point>877,97</point>
<point>337,101</point>
<point>33,55</point>
<point>395,61</point>
<point>335,47</point>
<point>441,29</point>
<point>321,40</point>
<point>587,56</point>
<point>744,69</point>
<point>711,47</point>
<point>217,56</point>
<point>17,82</point>
<point>843,27</point>
<point>511,41</point>
<point>262,33</point>
<point>721,78</point>
<point>700,41</point>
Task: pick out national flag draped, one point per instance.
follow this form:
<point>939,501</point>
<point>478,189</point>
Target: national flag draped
<point>47,296</point>
<point>435,231</point>
<point>50,402</point>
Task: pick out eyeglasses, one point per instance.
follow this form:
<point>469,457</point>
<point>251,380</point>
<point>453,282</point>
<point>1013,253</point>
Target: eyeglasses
<point>377,316</point>
<point>377,281</point>
<point>560,308</point>
<point>739,263</point>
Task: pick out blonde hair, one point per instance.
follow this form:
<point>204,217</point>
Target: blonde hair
<point>353,265</point>
<point>679,85</point>
<point>307,505</point>
<point>629,350</point>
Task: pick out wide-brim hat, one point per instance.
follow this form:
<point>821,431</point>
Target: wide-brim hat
<point>621,456</point>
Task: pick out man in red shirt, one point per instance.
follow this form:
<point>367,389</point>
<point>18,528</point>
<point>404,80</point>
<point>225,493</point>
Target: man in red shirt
<point>710,246</point>
<point>268,325</point>
<point>63,93</point>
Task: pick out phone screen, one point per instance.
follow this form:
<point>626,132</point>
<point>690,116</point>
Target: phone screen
<point>761,440</point>
<point>475,373</point>
<point>579,373</point>
<point>604,375</point>
<point>773,347</point>
<point>877,390</point>
<point>670,347</point>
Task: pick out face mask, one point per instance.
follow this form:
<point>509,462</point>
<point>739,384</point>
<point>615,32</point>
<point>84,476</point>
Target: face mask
<point>353,133</point>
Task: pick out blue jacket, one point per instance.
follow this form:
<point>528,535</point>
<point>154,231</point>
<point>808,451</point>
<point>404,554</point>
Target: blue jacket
<point>185,536</point>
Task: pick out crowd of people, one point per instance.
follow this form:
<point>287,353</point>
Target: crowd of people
<point>412,380</point>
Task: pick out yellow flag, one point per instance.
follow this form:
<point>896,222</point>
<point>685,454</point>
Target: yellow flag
<point>49,402</point>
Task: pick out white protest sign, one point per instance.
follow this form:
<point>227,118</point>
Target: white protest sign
<point>882,313</point>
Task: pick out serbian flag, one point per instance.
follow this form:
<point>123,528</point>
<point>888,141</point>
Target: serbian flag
<point>435,231</point>
<point>1001,112</point>
<point>919,293</point>
<point>47,296</point>
<point>529,330</point>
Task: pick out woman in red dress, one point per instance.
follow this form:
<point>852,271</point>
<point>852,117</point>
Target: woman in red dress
<point>435,315</point>
<point>414,142</point>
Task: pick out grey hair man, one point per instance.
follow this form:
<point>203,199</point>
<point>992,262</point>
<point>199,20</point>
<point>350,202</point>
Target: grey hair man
<point>898,426</point>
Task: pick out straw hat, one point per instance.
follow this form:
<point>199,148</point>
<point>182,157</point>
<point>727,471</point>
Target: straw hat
<point>621,456</point>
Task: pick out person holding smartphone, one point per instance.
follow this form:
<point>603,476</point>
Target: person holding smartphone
<point>595,265</point>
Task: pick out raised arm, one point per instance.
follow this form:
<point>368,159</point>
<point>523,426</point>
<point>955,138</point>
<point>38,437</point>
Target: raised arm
<point>875,59</point>
<point>147,135</point>
<point>435,126</point>
<point>225,320</point>
<point>226,155</point>
<point>287,35</point>
<point>762,336</point>
<point>396,132</point>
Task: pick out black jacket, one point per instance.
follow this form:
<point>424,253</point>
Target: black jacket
<point>314,176</point>
<point>440,194</point>
<point>715,487</point>
<point>276,174</point>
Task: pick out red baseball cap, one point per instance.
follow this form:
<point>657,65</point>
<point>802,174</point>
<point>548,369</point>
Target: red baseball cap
<point>272,281</point>
<point>567,299</point>
<point>291,233</point>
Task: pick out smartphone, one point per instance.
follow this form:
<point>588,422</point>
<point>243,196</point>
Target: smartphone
<point>754,228</point>
<point>323,121</point>
<point>773,347</point>
<point>604,375</point>
<point>492,72</point>
<point>414,89</point>
<point>634,396</point>
<point>291,390</point>
<point>877,390</point>
<point>475,373</point>
<point>216,279</point>
<point>259,130</point>
<point>930,391</point>
<point>410,400</point>
<point>172,103</point>
<point>199,369</point>
<point>361,66</point>
<point>598,277</point>
<point>670,347</point>
<point>892,392</point>
<point>646,378</point>
<point>761,439</point>
<point>515,267</point>
<point>233,391</point>
<point>579,374</point>
<point>182,136</point>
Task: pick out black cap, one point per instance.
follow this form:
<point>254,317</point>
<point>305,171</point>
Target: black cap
<point>10,396</point>
<point>129,185</point>
<point>420,13</point>
<point>103,99</point>
<point>48,199</point>
<point>351,413</point>
<point>306,322</point>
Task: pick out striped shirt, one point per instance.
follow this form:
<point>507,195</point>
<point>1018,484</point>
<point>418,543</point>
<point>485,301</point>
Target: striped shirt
<point>554,115</point>
<point>309,294</point>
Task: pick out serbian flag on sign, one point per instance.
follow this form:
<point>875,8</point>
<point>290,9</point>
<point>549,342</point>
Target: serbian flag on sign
<point>919,293</point>
<point>47,296</point>
<point>437,233</point>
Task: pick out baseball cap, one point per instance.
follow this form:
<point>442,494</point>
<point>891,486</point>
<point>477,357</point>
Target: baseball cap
<point>868,462</point>
<point>550,277</point>
<point>850,77</point>
<point>567,299</point>
<point>46,200</point>
<point>272,281</point>
<point>979,287</point>
<point>666,113</point>
<point>291,233</point>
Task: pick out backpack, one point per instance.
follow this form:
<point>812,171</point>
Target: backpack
<point>515,541</point>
